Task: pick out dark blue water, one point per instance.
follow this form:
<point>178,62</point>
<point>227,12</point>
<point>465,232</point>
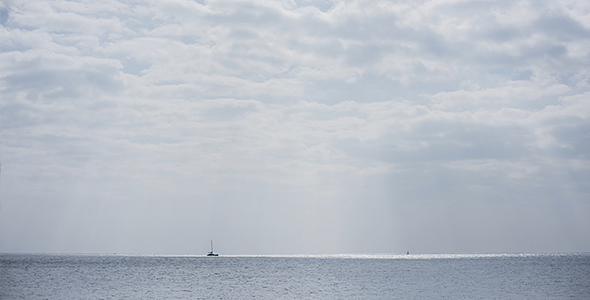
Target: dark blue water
<point>555,276</point>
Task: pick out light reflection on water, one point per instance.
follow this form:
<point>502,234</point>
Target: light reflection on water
<point>408,256</point>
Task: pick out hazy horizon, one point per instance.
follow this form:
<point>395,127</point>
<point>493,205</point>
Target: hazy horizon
<point>294,126</point>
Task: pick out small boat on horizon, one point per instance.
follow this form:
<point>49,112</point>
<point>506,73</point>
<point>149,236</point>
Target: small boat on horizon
<point>211,253</point>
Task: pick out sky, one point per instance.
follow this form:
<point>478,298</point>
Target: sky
<point>294,127</point>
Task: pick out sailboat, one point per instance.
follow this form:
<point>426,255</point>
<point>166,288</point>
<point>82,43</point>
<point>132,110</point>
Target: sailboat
<point>211,253</point>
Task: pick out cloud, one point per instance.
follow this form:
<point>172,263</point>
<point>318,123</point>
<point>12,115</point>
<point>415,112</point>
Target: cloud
<point>295,126</point>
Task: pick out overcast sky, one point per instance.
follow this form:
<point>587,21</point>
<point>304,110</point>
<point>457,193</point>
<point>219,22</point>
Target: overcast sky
<point>284,127</point>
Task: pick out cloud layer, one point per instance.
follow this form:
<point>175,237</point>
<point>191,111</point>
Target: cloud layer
<point>295,126</point>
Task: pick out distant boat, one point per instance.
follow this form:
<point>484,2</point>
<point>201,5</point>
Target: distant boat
<point>211,253</point>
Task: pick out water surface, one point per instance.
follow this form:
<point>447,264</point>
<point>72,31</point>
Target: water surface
<point>519,276</point>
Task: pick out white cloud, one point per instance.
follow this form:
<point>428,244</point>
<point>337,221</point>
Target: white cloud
<point>276,118</point>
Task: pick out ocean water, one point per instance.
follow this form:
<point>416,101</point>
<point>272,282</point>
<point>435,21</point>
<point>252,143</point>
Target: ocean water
<point>517,276</point>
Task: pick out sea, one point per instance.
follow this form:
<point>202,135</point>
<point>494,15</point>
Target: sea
<point>355,276</point>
